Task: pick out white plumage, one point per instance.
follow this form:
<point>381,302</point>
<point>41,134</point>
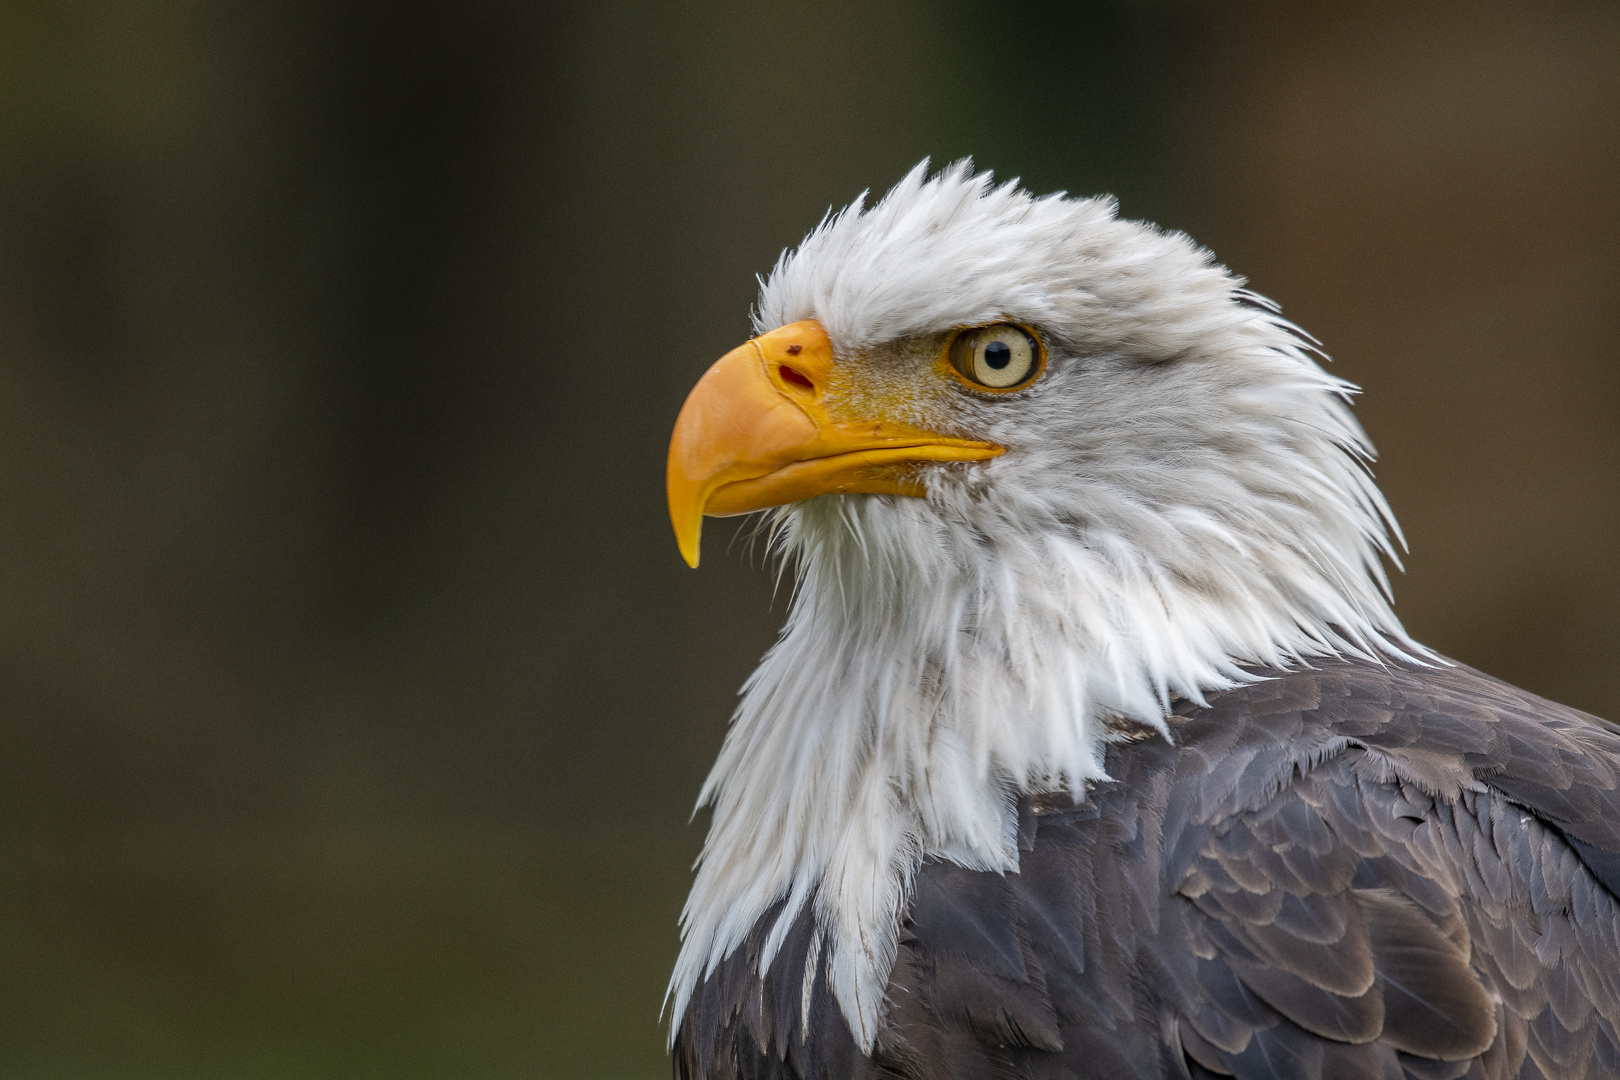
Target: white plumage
<point>1184,492</point>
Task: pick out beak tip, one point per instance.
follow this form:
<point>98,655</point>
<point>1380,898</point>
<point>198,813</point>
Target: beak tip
<point>690,541</point>
<point>685,514</point>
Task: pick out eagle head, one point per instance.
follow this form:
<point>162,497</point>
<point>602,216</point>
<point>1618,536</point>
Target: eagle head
<point>1040,471</point>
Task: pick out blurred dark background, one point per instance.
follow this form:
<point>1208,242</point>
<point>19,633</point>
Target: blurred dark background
<point>352,694</point>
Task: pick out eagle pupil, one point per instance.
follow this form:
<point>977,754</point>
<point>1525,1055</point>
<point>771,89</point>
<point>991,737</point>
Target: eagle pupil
<point>997,355</point>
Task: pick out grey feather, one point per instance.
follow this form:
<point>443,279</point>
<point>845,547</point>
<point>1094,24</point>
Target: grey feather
<point>1182,922</point>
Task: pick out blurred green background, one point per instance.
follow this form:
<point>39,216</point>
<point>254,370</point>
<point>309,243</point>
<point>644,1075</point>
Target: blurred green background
<point>352,695</point>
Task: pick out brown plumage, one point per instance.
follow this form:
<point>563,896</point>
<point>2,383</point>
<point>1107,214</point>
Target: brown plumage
<point>1343,871</point>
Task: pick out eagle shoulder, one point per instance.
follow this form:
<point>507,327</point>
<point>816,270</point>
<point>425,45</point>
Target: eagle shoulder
<point>1348,870</point>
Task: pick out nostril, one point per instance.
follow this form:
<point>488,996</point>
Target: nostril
<point>791,376</point>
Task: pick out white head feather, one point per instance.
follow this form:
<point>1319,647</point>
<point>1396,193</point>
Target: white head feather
<point>1185,491</point>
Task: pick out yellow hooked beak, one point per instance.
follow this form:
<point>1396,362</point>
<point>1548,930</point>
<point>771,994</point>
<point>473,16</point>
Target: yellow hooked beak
<point>755,433</point>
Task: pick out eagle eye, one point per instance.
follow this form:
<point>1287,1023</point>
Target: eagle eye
<point>1003,356</point>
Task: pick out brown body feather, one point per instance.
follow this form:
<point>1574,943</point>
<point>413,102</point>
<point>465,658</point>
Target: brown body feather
<point>1340,872</point>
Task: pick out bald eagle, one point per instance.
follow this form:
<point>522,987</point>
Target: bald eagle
<point>1091,746</point>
